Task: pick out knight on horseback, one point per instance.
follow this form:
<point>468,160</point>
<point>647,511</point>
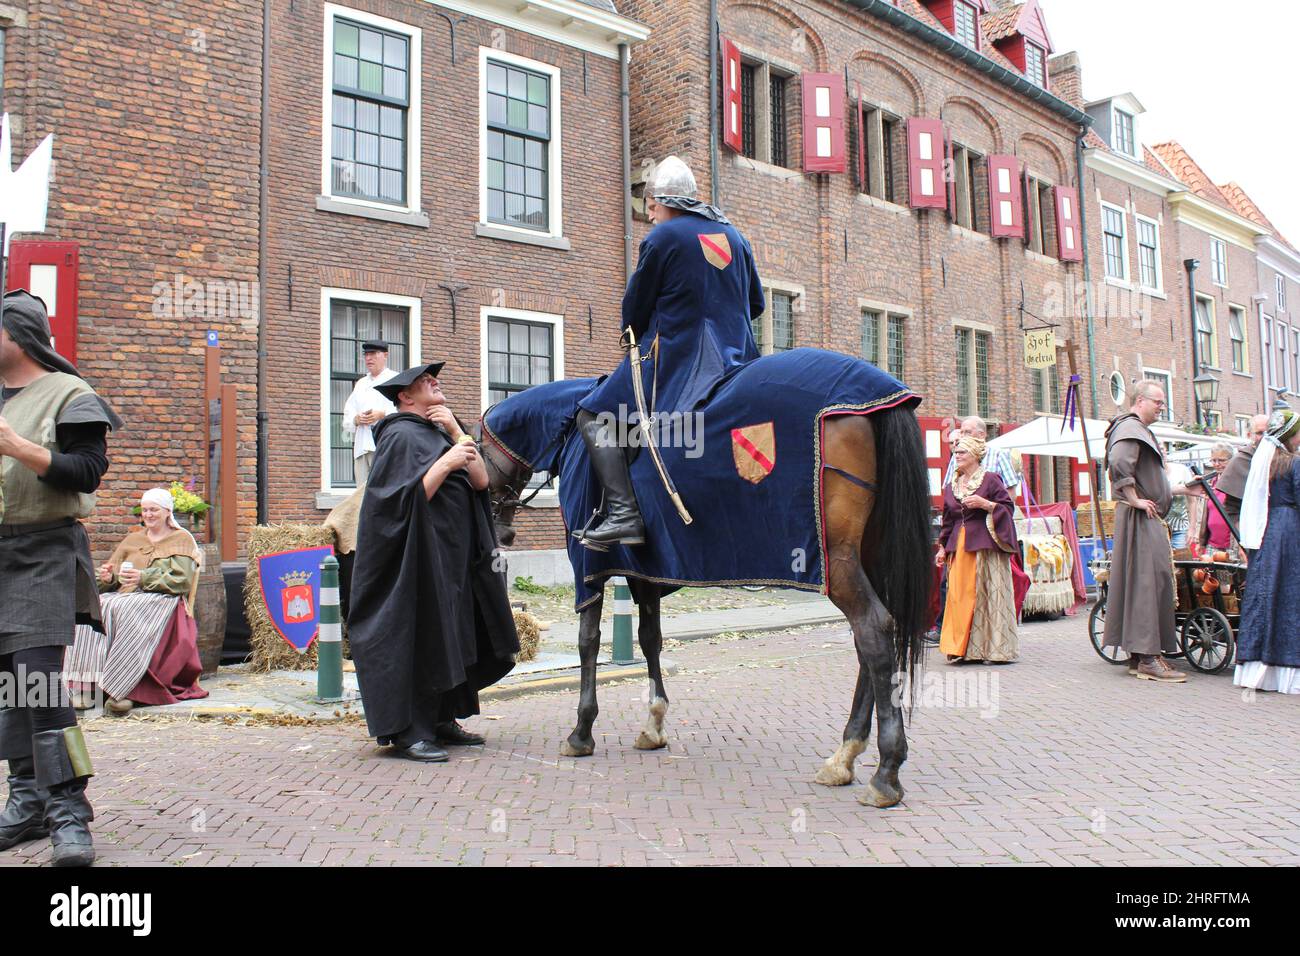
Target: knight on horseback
<point>691,300</point>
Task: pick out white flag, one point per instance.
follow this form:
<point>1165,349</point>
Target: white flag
<point>25,191</point>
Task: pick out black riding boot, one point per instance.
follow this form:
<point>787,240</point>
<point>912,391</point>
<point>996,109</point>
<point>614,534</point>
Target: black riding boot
<point>622,524</point>
<point>23,818</point>
<point>63,767</point>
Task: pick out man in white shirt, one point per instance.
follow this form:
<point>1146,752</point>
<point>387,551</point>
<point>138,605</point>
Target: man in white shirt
<point>365,407</point>
<point>996,460</point>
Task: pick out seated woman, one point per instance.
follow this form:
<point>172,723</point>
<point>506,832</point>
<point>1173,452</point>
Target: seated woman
<point>976,541</point>
<point>1268,640</point>
<point>1214,532</point>
<point>148,653</point>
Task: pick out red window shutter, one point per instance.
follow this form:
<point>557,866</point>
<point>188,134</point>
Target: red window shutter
<point>1069,242</point>
<point>732,131</point>
<point>823,123</point>
<point>925,156</point>
<point>1006,206</point>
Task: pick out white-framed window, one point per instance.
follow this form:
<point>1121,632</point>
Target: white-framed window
<point>1125,142</point>
<point>1280,283</point>
<point>973,348</point>
<point>1035,63</point>
<point>1149,267</point>
<point>1040,216</point>
<point>883,336</point>
<point>1266,349</point>
<point>520,159</point>
<point>1114,242</point>
<point>370,149</point>
<point>1166,382</point>
<point>1295,360</point>
<point>349,317</point>
<point>966,23</point>
<point>1219,261</point>
<point>1207,337</point>
<point>970,184</point>
<point>1237,333</point>
<point>1243,426</point>
<point>1282,342</point>
<point>774,330</point>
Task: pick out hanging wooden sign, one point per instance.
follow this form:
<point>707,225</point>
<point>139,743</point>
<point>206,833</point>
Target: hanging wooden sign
<point>1040,348</point>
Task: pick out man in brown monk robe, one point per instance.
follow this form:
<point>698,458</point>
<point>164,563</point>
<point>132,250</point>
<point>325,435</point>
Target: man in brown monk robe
<point>1140,605</point>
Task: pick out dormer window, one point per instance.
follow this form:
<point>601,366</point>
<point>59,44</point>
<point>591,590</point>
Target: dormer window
<point>1035,65</point>
<point>1124,140</point>
<point>965,24</point>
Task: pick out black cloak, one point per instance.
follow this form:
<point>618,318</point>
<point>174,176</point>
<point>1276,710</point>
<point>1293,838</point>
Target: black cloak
<point>429,620</point>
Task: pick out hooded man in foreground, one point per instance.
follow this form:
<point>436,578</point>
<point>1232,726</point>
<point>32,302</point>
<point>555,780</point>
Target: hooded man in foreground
<point>53,453</point>
<point>429,619</point>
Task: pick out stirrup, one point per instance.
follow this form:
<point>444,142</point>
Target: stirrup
<point>581,534</point>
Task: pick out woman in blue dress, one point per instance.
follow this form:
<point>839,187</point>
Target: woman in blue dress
<point>1268,641</point>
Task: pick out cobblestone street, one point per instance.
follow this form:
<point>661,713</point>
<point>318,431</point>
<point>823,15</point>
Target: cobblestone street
<point>1058,759</point>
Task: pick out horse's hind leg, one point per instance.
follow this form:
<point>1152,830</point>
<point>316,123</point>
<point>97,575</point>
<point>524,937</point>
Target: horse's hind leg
<point>580,742</point>
<point>652,639</point>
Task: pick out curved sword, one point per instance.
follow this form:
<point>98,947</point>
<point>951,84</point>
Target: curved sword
<point>638,389</point>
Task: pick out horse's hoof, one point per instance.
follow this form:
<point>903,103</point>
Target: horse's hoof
<point>834,775</point>
<point>577,748</point>
<point>880,795</point>
<point>648,741</point>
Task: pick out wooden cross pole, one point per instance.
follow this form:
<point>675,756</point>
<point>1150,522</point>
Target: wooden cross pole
<point>1098,527</point>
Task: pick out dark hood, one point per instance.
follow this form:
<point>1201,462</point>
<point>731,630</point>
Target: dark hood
<point>27,322</point>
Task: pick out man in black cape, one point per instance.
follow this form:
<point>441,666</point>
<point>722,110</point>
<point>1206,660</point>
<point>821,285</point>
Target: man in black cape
<point>429,621</point>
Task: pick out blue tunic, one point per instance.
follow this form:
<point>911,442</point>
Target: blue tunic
<point>695,289</point>
<point>1270,607</point>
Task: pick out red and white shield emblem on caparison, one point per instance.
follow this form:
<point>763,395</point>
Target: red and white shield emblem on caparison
<point>754,450</point>
<point>717,250</point>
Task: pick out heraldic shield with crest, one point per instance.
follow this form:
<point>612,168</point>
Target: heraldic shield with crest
<point>291,592</point>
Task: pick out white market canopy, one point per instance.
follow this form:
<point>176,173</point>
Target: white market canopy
<point>1048,435</point>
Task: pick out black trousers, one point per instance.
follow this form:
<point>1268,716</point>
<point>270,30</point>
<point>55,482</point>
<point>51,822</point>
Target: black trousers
<point>32,698</point>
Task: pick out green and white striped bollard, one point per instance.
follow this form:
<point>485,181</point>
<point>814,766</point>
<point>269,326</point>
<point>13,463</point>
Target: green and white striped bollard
<point>329,637</point>
<point>621,653</point>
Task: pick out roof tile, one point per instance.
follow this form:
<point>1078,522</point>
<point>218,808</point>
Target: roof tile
<point>1190,173</point>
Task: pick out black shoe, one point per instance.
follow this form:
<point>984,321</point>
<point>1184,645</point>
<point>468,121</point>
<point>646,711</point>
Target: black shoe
<point>63,767</point>
<point>425,751</point>
<point>622,524</point>
<point>455,735</point>
<point>23,818</point>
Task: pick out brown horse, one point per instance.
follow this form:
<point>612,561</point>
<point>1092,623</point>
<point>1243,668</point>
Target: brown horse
<point>878,567</point>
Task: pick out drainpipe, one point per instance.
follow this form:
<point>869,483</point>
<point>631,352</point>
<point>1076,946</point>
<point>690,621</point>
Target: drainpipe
<point>624,96</point>
<point>1080,170</point>
<point>263,481</point>
<point>1190,265</point>
<point>713,102</point>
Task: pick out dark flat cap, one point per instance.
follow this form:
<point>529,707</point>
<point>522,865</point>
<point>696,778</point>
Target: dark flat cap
<point>401,380</point>
<point>378,345</point>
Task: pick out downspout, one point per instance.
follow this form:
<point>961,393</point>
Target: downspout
<point>1190,265</point>
<point>713,102</point>
<point>263,481</point>
<point>1080,171</point>
<point>624,98</point>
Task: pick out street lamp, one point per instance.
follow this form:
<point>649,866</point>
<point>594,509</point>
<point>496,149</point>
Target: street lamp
<point>1206,387</point>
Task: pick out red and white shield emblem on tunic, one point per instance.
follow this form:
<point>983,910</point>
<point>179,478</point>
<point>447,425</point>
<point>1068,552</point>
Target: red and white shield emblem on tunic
<point>717,250</point>
<point>754,450</point>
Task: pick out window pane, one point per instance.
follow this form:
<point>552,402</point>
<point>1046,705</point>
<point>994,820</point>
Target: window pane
<point>538,119</point>
<point>395,51</point>
<point>496,174</point>
<point>518,367</point>
<point>514,178</point>
<point>496,205</point>
<point>537,89</point>
<point>514,149</point>
<point>496,108</point>
<point>367,148</point>
<point>515,208</point>
<point>372,46</point>
<point>541,370</point>
<point>535,154</point>
<point>535,183</point>
<point>344,176</point>
<point>370,78</point>
<point>498,365</point>
<point>496,145</point>
<point>368,180</point>
<point>390,153</point>
<point>391,187</point>
<point>344,110</point>
<point>535,212</point>
<point>341,147</point>
<point>367,116</point>
<point>394,83</point>
<point>517,114</point>
<point>871,337</point>
<point>496,79</point>
<point>345,71</point>
<point>518,85</point>
<point>345,38</point>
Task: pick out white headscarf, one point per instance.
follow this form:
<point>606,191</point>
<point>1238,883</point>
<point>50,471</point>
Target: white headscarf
<point>1254,502</point>
<point>163,499</point>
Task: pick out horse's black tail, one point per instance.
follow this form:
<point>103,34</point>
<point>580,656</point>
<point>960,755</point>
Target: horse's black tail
<point>897,552</point>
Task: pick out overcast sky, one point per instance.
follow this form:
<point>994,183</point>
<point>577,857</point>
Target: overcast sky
<point>1219,77</point>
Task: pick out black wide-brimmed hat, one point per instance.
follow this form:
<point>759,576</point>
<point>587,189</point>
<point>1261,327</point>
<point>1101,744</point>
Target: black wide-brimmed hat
<point>401,380</point>
<point>378,345</point>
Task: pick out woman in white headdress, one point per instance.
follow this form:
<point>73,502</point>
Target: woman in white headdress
<point>148,651</point>
<point>1268,640</point>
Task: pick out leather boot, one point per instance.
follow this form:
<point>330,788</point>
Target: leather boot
<point>622,524</point>
<point>23,818</point>
<point>63,767</point>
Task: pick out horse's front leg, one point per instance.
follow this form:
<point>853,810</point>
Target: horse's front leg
<point>652,737</point>
<point>580,742</point>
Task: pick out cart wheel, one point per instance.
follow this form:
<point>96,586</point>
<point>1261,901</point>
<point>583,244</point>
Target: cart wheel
<point>1207,640</point>
<point>1097,631</point>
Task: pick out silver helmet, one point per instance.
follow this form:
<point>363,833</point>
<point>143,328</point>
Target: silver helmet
<point>672,177</point>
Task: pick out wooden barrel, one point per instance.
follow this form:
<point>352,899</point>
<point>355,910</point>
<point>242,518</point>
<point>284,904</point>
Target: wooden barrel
<point>210,609</point>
